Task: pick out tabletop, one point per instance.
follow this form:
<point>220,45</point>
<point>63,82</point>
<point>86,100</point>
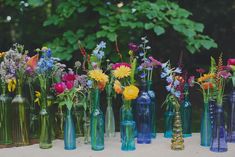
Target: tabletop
<point>160,147</point>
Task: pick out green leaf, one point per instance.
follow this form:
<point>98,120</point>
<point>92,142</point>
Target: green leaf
<point>159,30</point>
<point>148,26</point>
<point>70,37</point>
<point>112,36</point>
<point>81,9</point>
<point>36,3</point>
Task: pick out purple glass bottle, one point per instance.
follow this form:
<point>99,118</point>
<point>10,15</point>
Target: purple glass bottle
<point>231,118</point>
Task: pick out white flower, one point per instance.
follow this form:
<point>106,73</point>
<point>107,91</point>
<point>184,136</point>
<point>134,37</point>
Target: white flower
<point>177,70</point>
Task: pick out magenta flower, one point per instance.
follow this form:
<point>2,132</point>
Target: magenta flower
<point>117,65</point>
<point>69,84</point>
<point>155,62</point>
<point>133,47</point>
<point>191,81</point>
<point>231,61</point>
<point>69,77</point>
<point>60,87</point>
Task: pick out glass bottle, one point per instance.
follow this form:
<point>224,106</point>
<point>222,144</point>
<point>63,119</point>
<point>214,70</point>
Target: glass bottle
<point>143,104</point>
<point>168,120</point>
<point>219,143</point>
<point>97,123</point>
<point>59,122</point>
<point>153,109</point>
<point>126,113</point>
<point>206,130</point>
<point>20,128</point>
<point>45,123</point>
<point>51,108</point>
<point>5,118</point>
<point>78,120</point>
<point>186,114</point>
<point>69,132</point>
<point>109,119</point>
<point>128,135</point>
<point>231,118</point>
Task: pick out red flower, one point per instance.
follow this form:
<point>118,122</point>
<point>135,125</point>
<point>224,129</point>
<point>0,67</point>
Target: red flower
<point>69,84</point>
<point>69,77</point>
<point>207,85</point>
<point>200,70</point>
<point>59,87</point>
<point>32,62</point>
<point>117,65</point>
<point>231,61</point>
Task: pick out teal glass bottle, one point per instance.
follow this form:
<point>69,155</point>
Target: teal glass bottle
<point>206,130</point>
<point>97,123</point>
<point>186,114</point>
<point>168,120</point>
<point>153,109</point>
<point>5,118</point>
<point>126,114</point>
<point>128,135</point>
<point>69,132</point>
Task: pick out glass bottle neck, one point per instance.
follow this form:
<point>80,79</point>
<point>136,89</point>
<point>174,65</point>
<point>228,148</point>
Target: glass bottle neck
<point>149,85</point>
<point>3,92</point>
<point>109,101</point>
<point>19,87</point>
<point>96,99</point>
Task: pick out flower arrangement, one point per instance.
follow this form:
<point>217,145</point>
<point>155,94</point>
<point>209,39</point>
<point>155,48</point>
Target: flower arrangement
<point>147,63</point>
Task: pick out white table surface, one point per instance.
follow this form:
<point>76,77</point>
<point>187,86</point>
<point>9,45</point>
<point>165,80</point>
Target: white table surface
<point>160,147</point>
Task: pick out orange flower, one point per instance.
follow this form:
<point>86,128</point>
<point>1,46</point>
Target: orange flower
<point>32,62</point>
<point>117,87</point>
<point>206,77</point>
<point>101,85</point>
<point>207,85</point>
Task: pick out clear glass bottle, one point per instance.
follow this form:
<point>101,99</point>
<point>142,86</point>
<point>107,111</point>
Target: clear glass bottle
<point>109,119</point>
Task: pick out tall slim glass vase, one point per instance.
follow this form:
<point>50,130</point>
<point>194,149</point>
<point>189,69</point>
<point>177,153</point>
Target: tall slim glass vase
<point>109,119</point>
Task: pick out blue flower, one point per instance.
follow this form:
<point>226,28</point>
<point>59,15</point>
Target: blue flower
<point>95,51</point>
<point>101,45</point>
<point>141,54</point>
<point>168,88</point>
<point>163,75</point>
<point>140,68</point>
<point>178,70</point>
<point>177,94</point>
<point>89,83</point>
<point>176,83</point>
<point>164,65</point>
<point>143,75</point>
<point>169,79</point>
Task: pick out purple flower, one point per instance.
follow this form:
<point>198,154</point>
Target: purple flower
<point>143,75</point>
<point>169,79</point>
<point>178,70</point>
<point>168,88</point>
<point>141,54</point>
<point>140,68</point>
<point>176,83</point>
<point>133,47</point>
<point>224,74</point>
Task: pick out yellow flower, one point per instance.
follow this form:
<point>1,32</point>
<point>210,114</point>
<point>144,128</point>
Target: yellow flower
<point>206,77</point>
<point>122,71</point>
<point>117,87</point>
<point>44,48</point>
<point>130,92</point>
<point>11,86</point>
<point>38,96</point>
<point>2,54</point>
<point>99,76</point>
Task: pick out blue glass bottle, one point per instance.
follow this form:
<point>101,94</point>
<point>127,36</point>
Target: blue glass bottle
<point>206,130</point>
<point>143,109</point>
<point>69,132</point>
<point>168,120</point>
<point>219,143</point>
<point>128,135</point>
<point>97,123</point>
<point>231,118</point>
<point>186,113</point>
<point>153,109</point>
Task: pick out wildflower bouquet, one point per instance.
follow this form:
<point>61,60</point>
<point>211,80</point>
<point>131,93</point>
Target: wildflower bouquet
<point>174,80</point>
<point>147,63</point>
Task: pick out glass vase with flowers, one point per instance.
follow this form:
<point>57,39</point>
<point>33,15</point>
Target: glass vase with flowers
<point>173,80</point>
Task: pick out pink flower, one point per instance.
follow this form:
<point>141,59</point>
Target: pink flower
<point>200,70</point>
<point>191,81</point>
<point>69,84</point>
<point>224,74</point>
<point>69,77</point>
<point>155,62</point>
<point>60,87</point>
<point>133,47</point>
<point>117,65</point>
<point>231,61</point>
